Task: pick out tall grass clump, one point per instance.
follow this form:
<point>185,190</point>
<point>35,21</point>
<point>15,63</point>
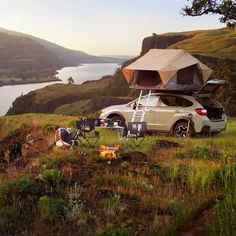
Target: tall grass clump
<point>223,222</point>
<point>53,180</point>
<point>224,218</point>
<point>110,230</point>
<point>51,209</point>
<point>18,198</point>
<point>200,175</point>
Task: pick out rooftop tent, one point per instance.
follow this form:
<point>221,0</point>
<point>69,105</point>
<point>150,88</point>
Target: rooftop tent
<point>172,69</point>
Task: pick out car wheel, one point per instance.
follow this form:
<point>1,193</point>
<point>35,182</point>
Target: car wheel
<point>181,130</point>
<point>118,119</point>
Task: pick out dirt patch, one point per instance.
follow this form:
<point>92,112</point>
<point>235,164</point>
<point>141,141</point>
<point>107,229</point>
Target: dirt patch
<point>134,157</point>
<point>198,225</point>
<point>24,146</point>
<point>166,144</point>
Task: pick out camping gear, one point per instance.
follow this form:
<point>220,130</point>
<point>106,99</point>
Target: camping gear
<point>168,69</point>
<point>113,125</point>
<point>136,132</point>
<point>86,131</point>
<point>108,152</point>
<point>63,137</point>
<point>190,116</point>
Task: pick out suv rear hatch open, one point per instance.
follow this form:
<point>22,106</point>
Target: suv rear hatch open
<point>205,96</point>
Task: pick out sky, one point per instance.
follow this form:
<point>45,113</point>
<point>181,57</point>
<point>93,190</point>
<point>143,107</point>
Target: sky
<point>100,27</point>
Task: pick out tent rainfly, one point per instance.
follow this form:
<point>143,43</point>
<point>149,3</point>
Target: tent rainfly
<point>170,69</point>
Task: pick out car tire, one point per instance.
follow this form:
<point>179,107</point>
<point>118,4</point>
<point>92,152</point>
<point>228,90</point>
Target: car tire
<point>181,130</point>
<point>118,119</point>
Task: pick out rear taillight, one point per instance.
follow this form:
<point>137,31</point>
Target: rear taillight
<point>201,111</point>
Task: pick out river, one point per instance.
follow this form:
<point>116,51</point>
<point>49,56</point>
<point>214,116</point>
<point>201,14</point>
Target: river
<point>80,74</point>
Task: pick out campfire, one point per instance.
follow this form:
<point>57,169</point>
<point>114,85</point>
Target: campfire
<point>108,152</point>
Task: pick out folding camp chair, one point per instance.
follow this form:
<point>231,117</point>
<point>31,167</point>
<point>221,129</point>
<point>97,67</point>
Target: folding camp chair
<point>135,134</point>
<point>86,132</point>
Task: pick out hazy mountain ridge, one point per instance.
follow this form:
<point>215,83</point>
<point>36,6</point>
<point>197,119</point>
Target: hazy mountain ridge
<point>26,56</point>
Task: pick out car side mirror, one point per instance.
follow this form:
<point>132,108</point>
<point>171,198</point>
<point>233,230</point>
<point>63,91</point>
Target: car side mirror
<point>134,105</point>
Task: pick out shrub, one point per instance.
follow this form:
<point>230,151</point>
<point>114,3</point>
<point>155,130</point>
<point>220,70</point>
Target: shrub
<point>111,231</point>
<point>202,153</point>
<point>72,159</point>
<point>48,161</point>
<point>113,205</point>
<point>74,211</point>
<point>53,179</point>
<point>174,206</point>
<point>16,218</point>
<point>47,127</point>
<point>181,155</point>
<point>21,188</point>
<point>18,198</point>
<point>11,133</point>
<point>142,185</point>
<point>51,209</point>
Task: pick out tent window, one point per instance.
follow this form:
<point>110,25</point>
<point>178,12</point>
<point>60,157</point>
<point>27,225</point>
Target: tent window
<point>185,75</point>
<point>147,78</point>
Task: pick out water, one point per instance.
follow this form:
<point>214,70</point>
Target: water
<point>86,72</point>
<point>80,74</point>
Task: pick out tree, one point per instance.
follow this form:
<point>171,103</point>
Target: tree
<point>70,80</point>
<point>225,8</point>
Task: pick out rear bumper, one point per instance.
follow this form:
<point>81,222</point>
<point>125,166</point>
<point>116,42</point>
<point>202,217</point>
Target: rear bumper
<point>213,126</point>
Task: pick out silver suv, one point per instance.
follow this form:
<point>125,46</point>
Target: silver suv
<point>171,111</point>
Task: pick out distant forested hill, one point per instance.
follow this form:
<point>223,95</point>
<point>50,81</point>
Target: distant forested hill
<point>25,56</point>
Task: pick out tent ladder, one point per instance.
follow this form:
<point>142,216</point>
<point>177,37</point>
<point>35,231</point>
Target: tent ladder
<point>146,106</point>
<point>139,114</point>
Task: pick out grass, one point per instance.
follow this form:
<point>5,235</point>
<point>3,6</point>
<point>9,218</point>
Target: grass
<point>81,107</point>
<point>218,42</point>
<point>149,190</point>
<point>81,92</point>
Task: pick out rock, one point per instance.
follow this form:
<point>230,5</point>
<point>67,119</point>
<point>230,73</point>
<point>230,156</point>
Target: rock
<point>166,144</point>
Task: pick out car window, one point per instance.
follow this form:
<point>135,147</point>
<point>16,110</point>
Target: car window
<point>167,100</point>
<point>153,101</point>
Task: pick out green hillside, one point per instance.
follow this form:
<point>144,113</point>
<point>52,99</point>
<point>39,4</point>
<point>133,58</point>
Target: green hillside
<point>217,43</point>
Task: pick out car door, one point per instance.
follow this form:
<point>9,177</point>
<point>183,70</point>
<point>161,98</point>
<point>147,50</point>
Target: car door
<point>167,112</point>
<point>150,110</point>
